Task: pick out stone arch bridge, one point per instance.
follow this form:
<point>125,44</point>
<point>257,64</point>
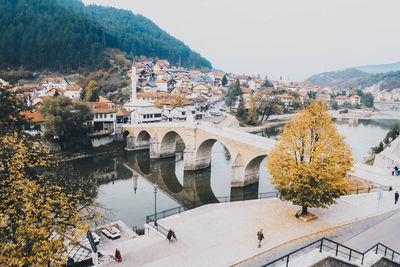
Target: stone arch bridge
<point>247,150</point>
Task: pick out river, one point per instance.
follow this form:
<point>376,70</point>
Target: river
<point>125,182</point>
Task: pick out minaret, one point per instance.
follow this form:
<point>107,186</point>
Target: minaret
<point>133,78</point>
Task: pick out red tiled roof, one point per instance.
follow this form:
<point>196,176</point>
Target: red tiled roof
<point>122,112</point>
<point>33,116</point>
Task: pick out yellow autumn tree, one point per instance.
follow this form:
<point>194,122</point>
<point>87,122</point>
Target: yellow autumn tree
<point>158,104</point>
<point>37,216</point>
<point>253,115</point>
<point>310,161</point>
<point>178,101</point>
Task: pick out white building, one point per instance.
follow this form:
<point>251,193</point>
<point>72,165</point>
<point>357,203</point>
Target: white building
<point>73,91</point>
<point>55,83</point>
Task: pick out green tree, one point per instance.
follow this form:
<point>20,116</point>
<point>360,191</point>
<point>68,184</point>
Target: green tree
<point>267,83</point>
<point>368,100</point>
<point>335,105</point>
<point>231,97</point>
<point>224,80</point>
<point>311,160</point>
<point>238,89</point>
<point>241,111</point>
<point>12,110</point>
<point>65,121</point>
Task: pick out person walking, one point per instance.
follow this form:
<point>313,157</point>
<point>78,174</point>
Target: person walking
<point>260,237</point>
<point>396,197</point>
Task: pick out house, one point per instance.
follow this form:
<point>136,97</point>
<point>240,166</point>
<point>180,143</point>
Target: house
<point>196,75</point>
<point>255,84</point>
<point>200,102</point>
<point>149,87</point>
<point>104,119</point>
<point>217,95</point>
<point>34,89</point>
<point>163,62</point>
<point>153,97</point>
<point>54,91</point>
<point>162,85</point>
<point>243,79</point>
<point>181,91</point>
<point>286,99</point>
<point>37,122</point>
<point>303,96</point>
<point>201,88</point>
<point>342,100</point>
<point>146,115</point>
<point>218,78</point>
<point>123,116</point>
<point>55,83</point>
<point>355,100</point>
<point>73,91</point>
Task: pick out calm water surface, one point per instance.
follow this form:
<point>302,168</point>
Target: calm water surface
<point>125,182</point>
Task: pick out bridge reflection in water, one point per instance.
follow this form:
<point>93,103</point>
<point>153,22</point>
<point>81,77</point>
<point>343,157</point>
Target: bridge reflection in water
<point>125,183</point>
<point>195,189</point>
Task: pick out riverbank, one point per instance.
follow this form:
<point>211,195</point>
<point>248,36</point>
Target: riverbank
<point>231,237</point>
<point>115,148</point>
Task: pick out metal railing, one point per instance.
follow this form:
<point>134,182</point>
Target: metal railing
<point>339,250</point>
<point>232,198</point>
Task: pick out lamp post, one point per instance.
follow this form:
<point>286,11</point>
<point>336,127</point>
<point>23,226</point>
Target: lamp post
<point>155,204</point>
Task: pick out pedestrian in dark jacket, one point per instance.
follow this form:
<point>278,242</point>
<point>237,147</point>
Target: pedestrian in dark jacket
<point>396,197</point>
<point>260,237</point>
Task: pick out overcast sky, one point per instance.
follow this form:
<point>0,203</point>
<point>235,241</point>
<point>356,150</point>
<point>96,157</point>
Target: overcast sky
<point>292,38</point>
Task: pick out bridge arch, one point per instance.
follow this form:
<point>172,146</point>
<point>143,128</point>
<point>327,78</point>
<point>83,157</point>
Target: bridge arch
<point>143,140</point>
<point>203,152</point>
<point>168,143</point>
<point>252,169</point>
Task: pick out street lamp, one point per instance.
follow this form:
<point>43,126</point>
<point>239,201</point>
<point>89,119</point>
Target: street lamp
<point>155,204</point>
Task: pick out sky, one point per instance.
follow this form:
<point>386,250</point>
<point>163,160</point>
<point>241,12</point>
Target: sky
<point>290,38</point>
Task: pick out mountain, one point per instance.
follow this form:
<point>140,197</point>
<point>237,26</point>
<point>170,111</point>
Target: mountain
<point>137,35</point>
<point>66,34</point>
<point>354,78</point>
<point>341,79</point>
<point>380,68</point>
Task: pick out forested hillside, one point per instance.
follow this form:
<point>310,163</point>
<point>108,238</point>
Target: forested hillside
<point>353,78</point>
<point>40,34</point>
<point>64,35</point>
<point>137,35</point>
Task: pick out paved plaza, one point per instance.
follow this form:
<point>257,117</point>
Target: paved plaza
<point>225,234</point>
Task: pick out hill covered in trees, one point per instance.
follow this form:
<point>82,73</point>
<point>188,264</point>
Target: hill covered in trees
<point>66,34</point>
<point>354,78</point>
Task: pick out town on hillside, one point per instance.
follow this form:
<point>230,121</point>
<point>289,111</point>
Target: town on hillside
<point>162,92</point>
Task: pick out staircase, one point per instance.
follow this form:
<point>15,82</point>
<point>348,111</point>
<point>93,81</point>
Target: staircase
<point>328,253</point>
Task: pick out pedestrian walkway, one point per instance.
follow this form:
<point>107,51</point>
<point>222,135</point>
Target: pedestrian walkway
<point>226,233</point>
<point>374,174</point>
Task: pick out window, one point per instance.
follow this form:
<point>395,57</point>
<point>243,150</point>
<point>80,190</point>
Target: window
<point>101,116</point>
<point>111,115</point>
<point>97,116</point>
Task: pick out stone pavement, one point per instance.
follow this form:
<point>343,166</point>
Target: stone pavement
<point>224,234</point>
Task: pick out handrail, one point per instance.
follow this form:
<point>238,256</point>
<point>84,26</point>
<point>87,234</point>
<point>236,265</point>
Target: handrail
<point>231,198</point>
<point>338,245</point>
